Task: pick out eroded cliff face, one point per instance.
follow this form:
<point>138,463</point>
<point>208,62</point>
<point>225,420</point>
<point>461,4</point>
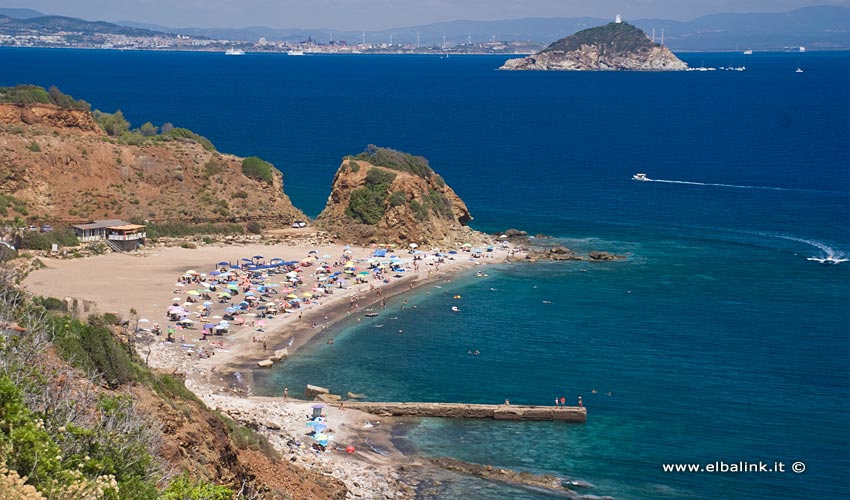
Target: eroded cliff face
<point>413,209</point>
<point>613,47</point>
<point>66,169</point>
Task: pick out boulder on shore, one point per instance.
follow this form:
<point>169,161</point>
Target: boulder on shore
<point>314,390</point>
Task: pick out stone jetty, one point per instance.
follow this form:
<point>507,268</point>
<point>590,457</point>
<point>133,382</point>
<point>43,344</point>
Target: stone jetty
<point>462,410</point>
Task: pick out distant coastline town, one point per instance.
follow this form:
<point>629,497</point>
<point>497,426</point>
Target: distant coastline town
<point>79,34</point>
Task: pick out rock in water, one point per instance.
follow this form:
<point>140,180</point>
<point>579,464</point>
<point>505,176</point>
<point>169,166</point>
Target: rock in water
<point>383,195</point>
<point>612,47</point>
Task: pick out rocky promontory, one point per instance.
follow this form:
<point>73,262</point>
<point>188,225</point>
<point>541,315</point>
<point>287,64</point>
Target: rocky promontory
<point>386,196</point>
<point>616,46</point>
<point>63,163</point>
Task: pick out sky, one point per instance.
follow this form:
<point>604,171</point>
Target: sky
<point>383,14</point>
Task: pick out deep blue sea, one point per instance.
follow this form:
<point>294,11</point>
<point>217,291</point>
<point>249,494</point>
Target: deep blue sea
<point>717,339</point>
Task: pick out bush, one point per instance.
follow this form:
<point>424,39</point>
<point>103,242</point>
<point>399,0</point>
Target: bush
<point>25,94</point>
<point>34,147</point>
<point>113,124</point>
<point>183,488</point>
<point>254,227</point>
<point>92,347</point>
<point>34,240</point>
<point>366,204</point>
<point>184,133</point>
<point>53,304</point>
<point>398,198</point>
<point>396,160</point>
<point>189,245</point>
<point>258,169</point>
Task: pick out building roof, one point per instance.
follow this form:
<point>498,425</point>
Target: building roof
<point>127,227</point>
<point>101,224</point>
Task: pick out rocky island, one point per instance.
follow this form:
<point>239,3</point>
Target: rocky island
<point>616,46</point>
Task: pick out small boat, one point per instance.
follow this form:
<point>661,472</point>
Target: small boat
<point>295,53</point>
<point>371,315</point>
<point>234,52</point>
<point>798,70</point>
<point>748,52</point>
<point>455,309</point>
<point>640,177</point>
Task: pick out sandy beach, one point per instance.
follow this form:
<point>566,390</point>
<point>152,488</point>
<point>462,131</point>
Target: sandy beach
<point>149,282</point>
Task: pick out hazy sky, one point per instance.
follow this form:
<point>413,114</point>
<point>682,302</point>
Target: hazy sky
<point>380,14</point>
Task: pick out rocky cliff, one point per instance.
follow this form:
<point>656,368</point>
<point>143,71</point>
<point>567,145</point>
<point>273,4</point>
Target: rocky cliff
<point>613,47</point>
<point>385,196</point>
<point>57,164</point>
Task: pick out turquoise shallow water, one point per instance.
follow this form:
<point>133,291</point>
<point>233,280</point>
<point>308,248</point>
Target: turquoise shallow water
<point>718,339</point>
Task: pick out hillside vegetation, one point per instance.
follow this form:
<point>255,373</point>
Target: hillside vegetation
<point>616,38</point>
<point>82,418</point>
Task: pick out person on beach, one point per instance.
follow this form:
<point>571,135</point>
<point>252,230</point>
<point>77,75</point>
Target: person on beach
<point>563,401</point>
<point>286,393</point>
<point>556,401</point>
<point>507,402</point>
<point>580,404</point>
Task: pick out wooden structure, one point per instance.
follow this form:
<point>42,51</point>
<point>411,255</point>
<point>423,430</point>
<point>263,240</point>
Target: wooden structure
<point>121,236</point>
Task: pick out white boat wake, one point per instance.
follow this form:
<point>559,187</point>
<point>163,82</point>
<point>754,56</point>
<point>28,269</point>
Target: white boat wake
<point>738,186</point>
<point>830,255</point>
<point>644,178</point>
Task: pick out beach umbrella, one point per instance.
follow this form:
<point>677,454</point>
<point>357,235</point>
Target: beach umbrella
<point>193,293</point>
<point>144,320</point>
<point>250,294</point>
<point>233,287</point>
<point>181,285</point>
<point>413,245</point>
<point>307,295</point>
<point>191,271</point>
<point>176,299</point>
<point>291,296</point>
<point>350,449</point>
<point>312,252</point>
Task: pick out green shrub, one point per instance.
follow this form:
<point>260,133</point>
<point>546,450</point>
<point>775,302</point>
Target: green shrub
<point>420,211</point>
<point>396,160</point>
<point>366,204</point>
<point>440,204</point>
<point>25,94</point>
<point>189,245</point>
<point>91,347</point>
<point>254,227</point>
<point>184,133</point>
<point>113,124</point>
<point>183,488</point>
<point>148,129</point>
<point>258,169</point>
<point>34,147</point>
<point>53,304</point>
<point>242,195</point>
<point>398,198</point>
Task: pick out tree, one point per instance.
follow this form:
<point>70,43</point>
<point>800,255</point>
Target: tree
<point>148,129</point>
<point>113,124</point>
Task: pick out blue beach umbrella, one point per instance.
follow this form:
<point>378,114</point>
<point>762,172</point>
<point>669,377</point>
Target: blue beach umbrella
<point>223,263</point>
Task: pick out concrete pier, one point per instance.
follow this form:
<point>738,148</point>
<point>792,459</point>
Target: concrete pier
<point>462,410</point>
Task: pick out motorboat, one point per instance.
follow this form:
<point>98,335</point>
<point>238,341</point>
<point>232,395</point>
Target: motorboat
<point>748,52</point>
<point>234,52</point>
<point>295,53</point>
<point>640,177</point>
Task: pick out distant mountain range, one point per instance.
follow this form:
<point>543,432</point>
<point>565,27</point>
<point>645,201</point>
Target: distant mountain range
<point>33,22</point>
<point>819,27</point>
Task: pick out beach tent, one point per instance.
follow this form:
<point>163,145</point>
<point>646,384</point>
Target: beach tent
<point>381,252</point>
